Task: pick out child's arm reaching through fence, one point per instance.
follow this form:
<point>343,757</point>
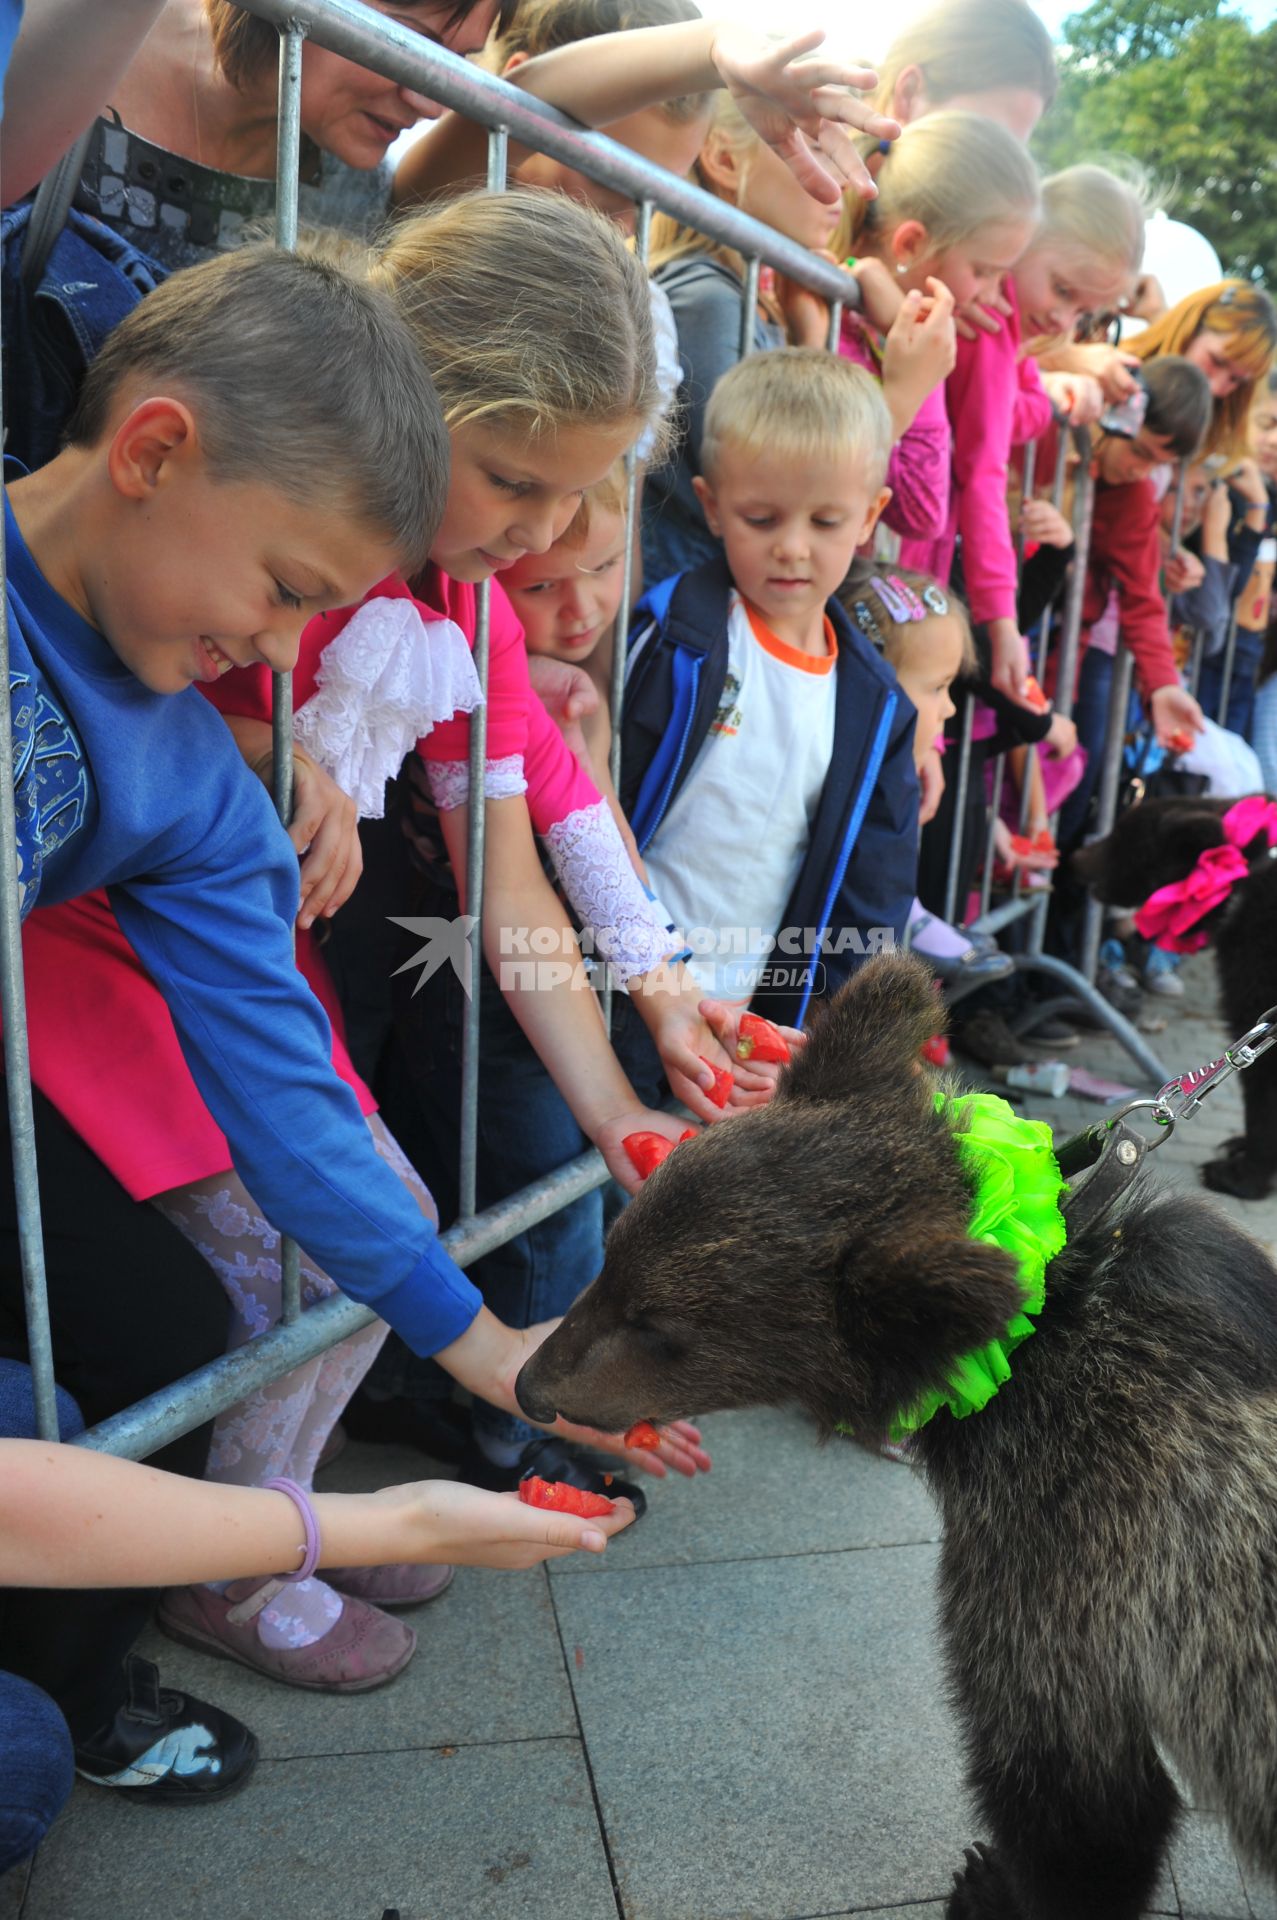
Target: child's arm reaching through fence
<point>71,1518</point>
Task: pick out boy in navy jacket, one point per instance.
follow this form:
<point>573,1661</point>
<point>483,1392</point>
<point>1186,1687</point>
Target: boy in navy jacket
<point>767,752</point>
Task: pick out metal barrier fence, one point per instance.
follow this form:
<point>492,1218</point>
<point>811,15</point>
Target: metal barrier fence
<point>373,41</point>
<point>376,42</point>
<point>1075,983</point>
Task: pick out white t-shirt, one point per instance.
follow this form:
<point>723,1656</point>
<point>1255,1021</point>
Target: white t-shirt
<point>725,857</point>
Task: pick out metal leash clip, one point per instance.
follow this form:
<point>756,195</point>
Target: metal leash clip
<point>1181,1097</point>
<point>1102,1159</point>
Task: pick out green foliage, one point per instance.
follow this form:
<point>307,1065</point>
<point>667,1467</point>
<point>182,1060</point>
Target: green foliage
<point>1188,91</point>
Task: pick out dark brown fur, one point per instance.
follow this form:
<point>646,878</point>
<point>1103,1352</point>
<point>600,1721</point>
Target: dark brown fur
<point>1109,1572</point>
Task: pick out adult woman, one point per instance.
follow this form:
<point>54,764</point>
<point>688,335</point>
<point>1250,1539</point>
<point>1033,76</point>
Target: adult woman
<point>1229,330</point>
<point>992,57</point>
<point>185,160</point>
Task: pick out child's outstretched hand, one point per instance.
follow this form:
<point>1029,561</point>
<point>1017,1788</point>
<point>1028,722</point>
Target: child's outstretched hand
<point>806,109</point>
<point>922,344</point>
<point>1174,712</point>
<point>612,1135</point>
<point>754,1080</point>
<point>466,1527</point>
<point>1077,397</point>
<point>1041,521</point>
<point>669,1003</point>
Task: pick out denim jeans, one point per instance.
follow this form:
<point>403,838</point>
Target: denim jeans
<point>1241,692</point>
<point>36,1765</point>
<point>525,1130</point>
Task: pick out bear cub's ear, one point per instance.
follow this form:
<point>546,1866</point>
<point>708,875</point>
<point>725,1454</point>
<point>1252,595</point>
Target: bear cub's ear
<point>870,1034</point>
<point>923,1310</point>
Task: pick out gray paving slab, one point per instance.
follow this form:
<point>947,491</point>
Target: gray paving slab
<point>769,1738</point>
<point>488,1666</point>
<point>1207,1876</point>
<point>487,1833</point>
<point>1261,1892</point>
<point>772,1490</point>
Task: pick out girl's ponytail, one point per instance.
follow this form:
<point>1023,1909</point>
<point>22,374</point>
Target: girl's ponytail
<point>952,172</point>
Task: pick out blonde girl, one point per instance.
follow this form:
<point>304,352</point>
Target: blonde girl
<point>1229,330</point>
<point>704,283</point>
<point>958,201</point>
<point>1084,258</point>
<point>545,379</point>
<point>992,57</point>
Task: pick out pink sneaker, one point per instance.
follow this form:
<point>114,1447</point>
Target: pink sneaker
<point>365,1649</point>
<point>401,1585</point>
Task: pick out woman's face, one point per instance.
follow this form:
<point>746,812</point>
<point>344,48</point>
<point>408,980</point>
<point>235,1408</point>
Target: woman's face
<point>1018,109</point>
<point>1209,351</point>
<point>355,114</point>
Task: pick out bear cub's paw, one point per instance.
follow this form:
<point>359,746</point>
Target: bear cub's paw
<point>1236,1173</point>
<point>981,1891</point>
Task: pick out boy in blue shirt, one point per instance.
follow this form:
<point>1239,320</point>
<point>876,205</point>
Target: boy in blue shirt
<point>767,752</point>
<point>257,441</point>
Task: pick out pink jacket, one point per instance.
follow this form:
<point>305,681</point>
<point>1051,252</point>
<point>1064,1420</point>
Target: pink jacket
<point>918,471</point>
<point>995,401</point>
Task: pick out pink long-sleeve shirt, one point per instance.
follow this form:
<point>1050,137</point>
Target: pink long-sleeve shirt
<point>995,401</point>
<point>918,471</point>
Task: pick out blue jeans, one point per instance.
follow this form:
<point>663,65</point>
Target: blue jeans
<point>526,1130</point>
<point>37,1769</point>
<point>36,1765</point>
<point>1241,692</point>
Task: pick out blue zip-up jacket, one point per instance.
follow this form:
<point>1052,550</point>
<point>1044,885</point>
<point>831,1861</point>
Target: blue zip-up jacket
<point>91,280</point>
<point>861,865</point>
<point>146,794</point>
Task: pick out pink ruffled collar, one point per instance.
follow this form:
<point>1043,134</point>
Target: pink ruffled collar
<point>1169,917</point>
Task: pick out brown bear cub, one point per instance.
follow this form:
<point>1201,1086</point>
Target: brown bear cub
<point>1109,1569</point>
<point>1156,843</point>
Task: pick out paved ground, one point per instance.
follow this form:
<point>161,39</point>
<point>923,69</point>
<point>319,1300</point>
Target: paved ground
<point>738,1714</point>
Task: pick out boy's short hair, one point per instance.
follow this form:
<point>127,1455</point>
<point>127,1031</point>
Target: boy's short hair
<point>798,402</point>
<point>301,378</point>
<point>1180,405</point>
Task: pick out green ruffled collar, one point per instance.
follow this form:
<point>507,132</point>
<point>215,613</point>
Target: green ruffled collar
<point>1018,1186</point>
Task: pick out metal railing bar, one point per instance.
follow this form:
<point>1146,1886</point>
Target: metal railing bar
<point>17,1075</point>
<point>1226,672</point>
<point>163,1416</point>
<point>287,175</point>
<point>379,43</point>
<point>498,155</point>
<point>749,305</point>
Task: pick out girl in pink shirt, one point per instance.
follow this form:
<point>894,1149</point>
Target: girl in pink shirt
<point>372,683</point>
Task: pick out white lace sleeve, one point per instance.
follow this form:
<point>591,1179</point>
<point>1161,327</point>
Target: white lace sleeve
<point>450,780</point>
<point>595,873</point>
<point>384,681</point>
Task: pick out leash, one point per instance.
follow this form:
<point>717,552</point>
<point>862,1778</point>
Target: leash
<point>1099,1162</point>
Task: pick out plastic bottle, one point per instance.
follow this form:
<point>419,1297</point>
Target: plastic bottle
<point>1036,1076</point>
